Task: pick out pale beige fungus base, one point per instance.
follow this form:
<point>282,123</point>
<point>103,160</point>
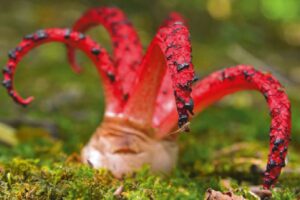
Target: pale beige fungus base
<point>123,147</point>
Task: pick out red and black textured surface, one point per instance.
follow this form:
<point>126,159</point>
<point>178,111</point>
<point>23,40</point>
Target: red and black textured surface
<point>94,51</point>
<point>157,89</point>
<point>234,79</point>
<point>127,48</point>
<point>169,49</point>
<point>123,74</point>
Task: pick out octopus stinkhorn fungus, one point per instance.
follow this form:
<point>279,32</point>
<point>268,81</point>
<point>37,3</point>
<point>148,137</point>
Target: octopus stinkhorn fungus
<point>146,96</point>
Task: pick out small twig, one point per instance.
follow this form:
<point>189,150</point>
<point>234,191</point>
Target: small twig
<point>184,128</point>
<point>261,193</point>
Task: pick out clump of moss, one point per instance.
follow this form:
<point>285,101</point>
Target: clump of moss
<point>42,171</point>
<point>52,175</point>
<point>285,194</point>
<point>29,179</point>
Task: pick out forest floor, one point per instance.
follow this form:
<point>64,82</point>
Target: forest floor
<point>41,161</point>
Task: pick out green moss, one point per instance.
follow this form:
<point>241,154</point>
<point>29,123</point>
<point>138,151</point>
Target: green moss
<point>27,178</point>
<point>285,194</point>
<point>39,169</point>
<point>45,168</point>
<point>51,176</point>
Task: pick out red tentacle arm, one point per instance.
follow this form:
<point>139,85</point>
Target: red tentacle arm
<point>231,80</point>
<point>126,44</point>
<point>163,107</point>
<point>174,17</point>
<point>171,50</point>
<point>77,40</point>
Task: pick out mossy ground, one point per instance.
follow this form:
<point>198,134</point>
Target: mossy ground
<point>46,168</point>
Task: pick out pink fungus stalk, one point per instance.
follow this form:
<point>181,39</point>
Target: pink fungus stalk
<point>147,96</point>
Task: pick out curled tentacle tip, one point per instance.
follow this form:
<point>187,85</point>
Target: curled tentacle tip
<point>24,102</point>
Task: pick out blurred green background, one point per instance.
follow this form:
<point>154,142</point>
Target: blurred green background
<point>265,34</point>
